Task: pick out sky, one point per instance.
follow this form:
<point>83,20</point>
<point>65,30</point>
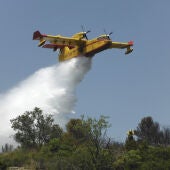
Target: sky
<point>124,87</point>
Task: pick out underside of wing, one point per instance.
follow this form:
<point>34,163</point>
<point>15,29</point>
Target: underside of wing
<point>55,46</point>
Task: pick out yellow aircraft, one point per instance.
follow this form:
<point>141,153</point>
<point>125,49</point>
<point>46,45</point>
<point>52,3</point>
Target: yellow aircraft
<point>79,45</point>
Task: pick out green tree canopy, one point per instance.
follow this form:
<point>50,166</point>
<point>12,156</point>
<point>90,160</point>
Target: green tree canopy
<point>148,130</point>
<point>34,129</point>
<point>151,132</point>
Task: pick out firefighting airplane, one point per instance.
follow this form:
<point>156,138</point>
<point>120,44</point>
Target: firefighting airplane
<point>79,45</point>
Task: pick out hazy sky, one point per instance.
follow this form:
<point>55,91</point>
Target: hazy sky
<point>124,87</point>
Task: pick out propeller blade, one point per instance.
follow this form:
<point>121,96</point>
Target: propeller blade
<point>85,32</point>
<point>86,37</point>
<point>82,27</point>
<point>110,33</point>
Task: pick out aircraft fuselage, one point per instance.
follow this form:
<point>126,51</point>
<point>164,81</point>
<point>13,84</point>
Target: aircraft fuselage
<point>88,49</point>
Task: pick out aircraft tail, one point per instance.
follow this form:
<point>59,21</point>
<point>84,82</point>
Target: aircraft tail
<point>37,35</point>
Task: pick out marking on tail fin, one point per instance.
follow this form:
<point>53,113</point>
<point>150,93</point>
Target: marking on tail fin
<point>37,35</point>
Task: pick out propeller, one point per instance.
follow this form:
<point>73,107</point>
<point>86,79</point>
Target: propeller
<point>108,35</point>
<point>85,32</point>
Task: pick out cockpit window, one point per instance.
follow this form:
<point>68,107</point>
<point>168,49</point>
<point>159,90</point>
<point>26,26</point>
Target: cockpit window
<point>104,37</point>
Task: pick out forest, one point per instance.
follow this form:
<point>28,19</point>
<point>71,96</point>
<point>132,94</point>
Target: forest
<point>84,145</point>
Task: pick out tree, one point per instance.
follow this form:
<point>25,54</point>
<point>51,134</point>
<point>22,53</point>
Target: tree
<point>75,128</point>
<point>149,131</point>
<point>97,143</point>
<point>7,148</point>
<point>165,136</point>
<point>85,144</point>
<point>34,129</point>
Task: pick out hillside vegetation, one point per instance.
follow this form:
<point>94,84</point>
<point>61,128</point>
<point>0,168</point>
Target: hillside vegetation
<point>84,145</point>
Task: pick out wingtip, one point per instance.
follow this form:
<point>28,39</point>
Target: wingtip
<point>131,43</point>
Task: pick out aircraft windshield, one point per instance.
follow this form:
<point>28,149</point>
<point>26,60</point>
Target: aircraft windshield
<point>103,38</point>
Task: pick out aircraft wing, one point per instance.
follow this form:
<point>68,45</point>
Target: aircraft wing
<point>123,45</point>
<point>58,40</point>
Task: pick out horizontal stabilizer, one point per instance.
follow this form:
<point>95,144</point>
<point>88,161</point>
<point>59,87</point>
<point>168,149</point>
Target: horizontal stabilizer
<point>42,42</point>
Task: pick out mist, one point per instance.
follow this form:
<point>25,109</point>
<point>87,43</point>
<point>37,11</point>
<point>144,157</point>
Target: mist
<point>52,89</point>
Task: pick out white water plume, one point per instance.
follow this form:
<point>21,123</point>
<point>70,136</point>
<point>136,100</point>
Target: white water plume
<point>52,89</point>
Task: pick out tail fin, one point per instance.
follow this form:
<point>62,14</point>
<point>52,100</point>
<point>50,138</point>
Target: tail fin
<point>37,35</point>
